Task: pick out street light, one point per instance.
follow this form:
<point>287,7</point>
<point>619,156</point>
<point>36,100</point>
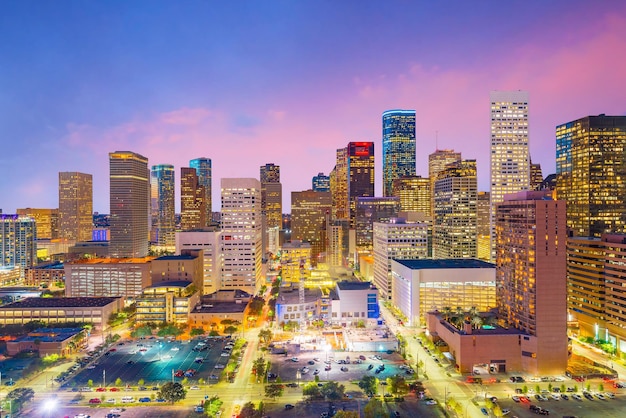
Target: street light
<point>48,406</point>
<point>445,395</point>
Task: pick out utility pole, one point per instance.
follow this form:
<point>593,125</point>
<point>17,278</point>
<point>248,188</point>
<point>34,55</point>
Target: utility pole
<point>104,378</point>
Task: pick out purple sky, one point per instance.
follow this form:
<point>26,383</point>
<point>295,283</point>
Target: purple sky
<point>287,82</point>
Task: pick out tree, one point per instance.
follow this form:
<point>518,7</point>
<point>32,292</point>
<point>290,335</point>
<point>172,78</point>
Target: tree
<point>230,330</point>
<point>333,391</point>
<point>258,367</point>
<point>256,305</point>
<point>368,385</point>
<point>265,335</point>
<point>118,382</point>
<point>274,390</point>
<point>196,331</point>
<point>397,385</point>
<point>142,331</point>
<point>21,395</point>
<point>600,387</point>
<point>291,326</point>
<point>375,409</point>
<point>169,330</point>
<point>90,383</point>
<point>312,391</point>
<point>213,333</point>
<point>248,410</point>
<point>141,382</point>
<point>497,411</point>
<point>477,322</point>
<point>172,392</point>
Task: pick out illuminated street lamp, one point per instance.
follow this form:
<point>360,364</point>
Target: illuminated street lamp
<point>48,406</point>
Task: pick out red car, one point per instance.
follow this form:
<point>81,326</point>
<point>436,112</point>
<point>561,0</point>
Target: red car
<point>524,399</point>
<point>114,390</point>
<point>101,390</point>
<point>95,400</point>
<point>112,350</point>
<point>179,373</point>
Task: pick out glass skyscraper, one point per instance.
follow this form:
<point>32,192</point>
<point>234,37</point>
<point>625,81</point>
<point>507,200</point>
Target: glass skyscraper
<point>398,146</point>
<point>162,201</point>
<point>203,170</point>
<point>591,174</point>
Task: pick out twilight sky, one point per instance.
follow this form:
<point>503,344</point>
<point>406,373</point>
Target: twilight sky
<point>287,82</point>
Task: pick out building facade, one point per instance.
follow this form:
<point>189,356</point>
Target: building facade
<point>398,147</point>
<point>192,200</point>
<point>308,219</point>
<point>162,184</point>
<point>46,220</point>
<point>107,277</point>
<point>531,277</point>
<point>321,183</point>
<point>206,240</point>
<point>414,194</point>
<point>271,201</point>
<point>130,204</point>
<point>240,242</point>
<point>18,236</point>
<point>205,178</point>
<point>591,168</point>
<point>167,301</point>
<point>437,162</point>
<point>454,228</point>
<point>510,157</point>
<point>75,206</point>
<point>360,172</point>
<point>368,211</point>
<point>396,239</point>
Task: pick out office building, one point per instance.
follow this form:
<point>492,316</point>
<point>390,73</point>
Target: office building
<point>591,173</point>
<point>483,226</point>
<point>437,162</point>
<point>419,286</point>
<point>192,200</point>
<point>271,201</point>
<point>536,176</point>
<point>510,158</point>
<point>321,183</point>
<point>398,147</point>
<point>414,194</point>
<point>368,211</point>
<point>596,268</point>
<point>187,266</point>
<point>167,302</point>
<point>17,242</point>
<point>454,228</point>
<point>75,206</point>
<point>531,277</point>
<point>206,240</point>
<point>355,302</point>
<point>240,241</point>
<point>360,172</point>
<point>339,185</point>
<point>46,220</point>
<point>400,240</point>
<point>162,183</point>
<point>130,204</point>
<point>308,219</point>
<point>295,261</point>
<point>205,178</point>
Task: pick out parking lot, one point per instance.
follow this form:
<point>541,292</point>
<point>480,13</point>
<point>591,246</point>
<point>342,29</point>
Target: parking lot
<point>285,368</point>
<point>154,361</point>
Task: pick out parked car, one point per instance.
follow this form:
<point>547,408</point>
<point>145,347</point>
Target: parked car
<point>289,406</point>
<point>145,399</point>
<point>94,400</point>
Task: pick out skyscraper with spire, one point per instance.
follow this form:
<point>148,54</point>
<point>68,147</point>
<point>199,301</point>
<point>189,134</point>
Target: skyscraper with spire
<point>398,146</point>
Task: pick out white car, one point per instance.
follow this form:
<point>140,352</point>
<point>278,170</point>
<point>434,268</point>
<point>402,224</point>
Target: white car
<point>111,400</point>
<point>555,397</point>
<point>116,411</point>
<point>534,379</point>
<point>195,387</point>
<point>175,348</point>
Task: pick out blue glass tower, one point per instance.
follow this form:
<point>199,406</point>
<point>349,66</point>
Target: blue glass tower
<point>202,166</point>
<point>398,146</point>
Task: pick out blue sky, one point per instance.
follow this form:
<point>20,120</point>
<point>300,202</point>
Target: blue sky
<point>287,82</point>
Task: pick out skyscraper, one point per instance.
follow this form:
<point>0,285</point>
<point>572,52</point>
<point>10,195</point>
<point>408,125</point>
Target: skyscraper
<point>414,194</point>
<point>271,201</point>
<point>530,277</point>
<point>17,242</point>
<point>308,218</point>
<point>398,146</point>
<point>360,172</point>
<point>192,200</point>
<point>47,221</point>
<point>339,185</point>
<point>203,170</point>
<point>510,158</point>
<point>130,204</point>
<point>437,162</point>
<point>591,174</point>
<point>162,183</point>
<point>240,241</point>
<point>454,229</point>
<point>368,211</point>
<point>321,183</point>
<point>75,206</point>
<point>536,176</point>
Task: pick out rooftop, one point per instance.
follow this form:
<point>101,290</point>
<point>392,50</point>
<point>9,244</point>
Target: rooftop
<point>452,263</point>
<point>55,265</point>
<point>174,283</point>
<point>60,303</point>
<point>348,285</point>
<point>292,296</point>
<point>217,307</point>
<point>176,257</point>
<point>141,260</point>
<point>49,335</point>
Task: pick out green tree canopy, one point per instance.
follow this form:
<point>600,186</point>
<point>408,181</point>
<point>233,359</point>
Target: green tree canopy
<point>172,392</point>
<point>142,331</point>
<point>333,390</point>
<point>274,390</point>
<point>266,335</point>
<point>368,385</point>
<point>196,331</point>
<point>169,330</point>
<point>21,395</point>
<point>248,410</point>
<point>375,409</point>
<point>230,330</point>
<point>397,385</point>
<point>346,414</point>
<point>258,367</point>
<point>311,390</point>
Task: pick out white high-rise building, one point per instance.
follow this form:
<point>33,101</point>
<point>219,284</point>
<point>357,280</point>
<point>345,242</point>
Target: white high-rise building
<point>241,237</point>
<point>208,240</point>
<point>399,240</point>
<point>510,158</point>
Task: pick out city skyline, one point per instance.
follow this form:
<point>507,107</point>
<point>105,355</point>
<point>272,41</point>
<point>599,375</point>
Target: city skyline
<point>82,80</point>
